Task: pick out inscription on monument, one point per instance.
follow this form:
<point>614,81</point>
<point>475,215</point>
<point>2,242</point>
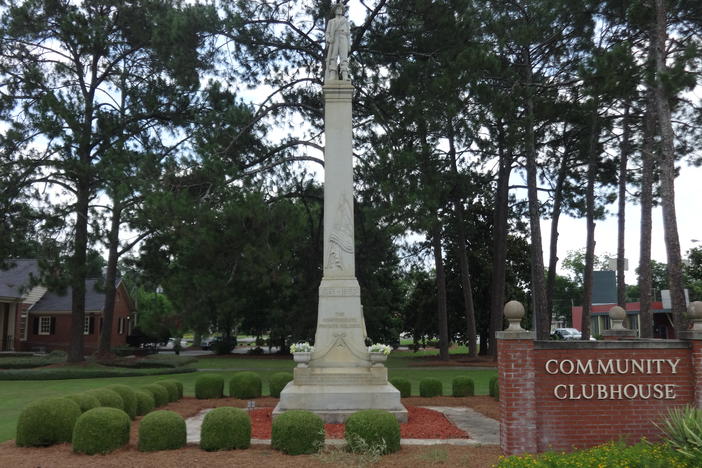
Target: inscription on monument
<point>337,292</point>
<point>609,391</point>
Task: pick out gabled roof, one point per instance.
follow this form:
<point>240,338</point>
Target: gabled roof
<point>54,302</point>
<point>14,282</point>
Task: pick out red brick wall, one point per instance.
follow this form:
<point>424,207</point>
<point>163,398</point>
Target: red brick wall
<point>517,396</point>
<point>564,423</point>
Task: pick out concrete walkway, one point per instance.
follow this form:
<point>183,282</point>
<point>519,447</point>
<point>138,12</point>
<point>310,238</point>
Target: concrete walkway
<point>482,430</point>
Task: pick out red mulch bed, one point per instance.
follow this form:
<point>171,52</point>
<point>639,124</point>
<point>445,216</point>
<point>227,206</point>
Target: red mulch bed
<point>423,424</point>
<point>61,456</point>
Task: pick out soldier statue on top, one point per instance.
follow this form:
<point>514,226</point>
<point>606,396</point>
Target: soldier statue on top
<point>338,39</point>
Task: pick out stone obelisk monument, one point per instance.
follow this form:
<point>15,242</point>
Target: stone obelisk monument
<point>340,378</point>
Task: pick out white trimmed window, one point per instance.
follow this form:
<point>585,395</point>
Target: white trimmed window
<point>120,325</point>
<point>45,325</point>
<point>86,326</point>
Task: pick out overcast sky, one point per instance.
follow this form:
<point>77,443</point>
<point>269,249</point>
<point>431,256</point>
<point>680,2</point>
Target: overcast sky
<point>688,204</point>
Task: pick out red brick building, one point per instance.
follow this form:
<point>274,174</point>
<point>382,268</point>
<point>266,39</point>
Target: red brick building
<point>34,319</point>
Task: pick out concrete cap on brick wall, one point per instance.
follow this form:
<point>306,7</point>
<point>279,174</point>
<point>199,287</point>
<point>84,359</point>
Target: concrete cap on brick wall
<point>514,313</point>
<point>617,316</point>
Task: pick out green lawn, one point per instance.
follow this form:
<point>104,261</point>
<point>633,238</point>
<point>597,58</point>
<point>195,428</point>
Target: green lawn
<point>15,395</point>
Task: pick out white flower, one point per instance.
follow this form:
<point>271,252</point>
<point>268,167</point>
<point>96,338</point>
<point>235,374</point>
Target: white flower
<point>380,348</point>
<point>302,347</point>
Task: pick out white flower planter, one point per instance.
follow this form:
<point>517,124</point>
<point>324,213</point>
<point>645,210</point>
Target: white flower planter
<point>302,358</point>
<point>377,359</point>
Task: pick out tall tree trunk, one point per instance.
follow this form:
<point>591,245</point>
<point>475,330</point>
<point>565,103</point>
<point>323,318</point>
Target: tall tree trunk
<point>499,246</point>
<point>555,216</point>
<point>542,317</point>
<point>105,347</point>
<point>78,269</point>
<point>667,156</point>
<point>441,294</point>
<point>466,287</point>
<point>590,221</point>
<point>645,274</point>
<point>621,214</point>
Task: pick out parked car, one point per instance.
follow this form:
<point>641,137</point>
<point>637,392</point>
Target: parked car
<point>567,334</point>
<point>206,343</point>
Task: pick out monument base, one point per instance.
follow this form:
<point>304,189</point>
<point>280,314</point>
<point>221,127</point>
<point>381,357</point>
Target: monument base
<point>335,403</point>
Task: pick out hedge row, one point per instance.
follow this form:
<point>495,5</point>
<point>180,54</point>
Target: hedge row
<point>65,373</point>
<point>29,361</point>
<point>429,387</point>
<point>93,420</point>
<point>243,385</point>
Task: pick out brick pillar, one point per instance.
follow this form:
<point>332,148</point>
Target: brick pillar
<point>516,374</point>
<point>694,336</point>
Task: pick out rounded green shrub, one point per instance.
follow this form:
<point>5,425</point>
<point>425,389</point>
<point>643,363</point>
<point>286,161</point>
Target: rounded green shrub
<point>209,386</point>
<point>403,385</point>
<point>162,430</point>
<point>225,428</point>
<point>462,387</point>
<point>101,430</point>
<point>107,397</point>
<point>145,402</point>
<point>278,382</point>
<point>128,397</point>
<point>297,432</point>
<point>170,387</point>
<point>159,393</point>
<point>245,385</point>
<point>179,386</point>
<point>369,429</point>
<point>84,400</point>
<point>430,387</point>
<point>46,422</point>
<point>494,388</point>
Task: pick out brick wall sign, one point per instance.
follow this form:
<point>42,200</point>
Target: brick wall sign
<point>560,395</point>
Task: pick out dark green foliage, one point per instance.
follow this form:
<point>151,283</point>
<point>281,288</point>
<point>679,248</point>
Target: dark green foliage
<point>403,385</point>
<point>297,432</point>
<point>107,397</point>
<point>152,362</point>
<point>28,362</point>
<point>245,385</point>
<point>162,430</point>
<point>223,347</point>
<point>101,430</point>
<point>373,428</point>
<point>225,429</point>
<point>463,386</point>
<point>278,382</point>
<point>145,402</point>
<point>494,388</point>
<point>209,386</point>
<point>171,387</point>
<point>159,393</point>
<point>84,400</point>
<point>46,422</point>
<point>430,387</point>
<point>179,386</point>
<point>65,373</point>
<point>128,397</point>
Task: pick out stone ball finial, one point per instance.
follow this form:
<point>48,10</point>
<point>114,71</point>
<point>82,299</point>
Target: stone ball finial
<point>694,312</point>
<point>514,313</point>
<point>617,316</point>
